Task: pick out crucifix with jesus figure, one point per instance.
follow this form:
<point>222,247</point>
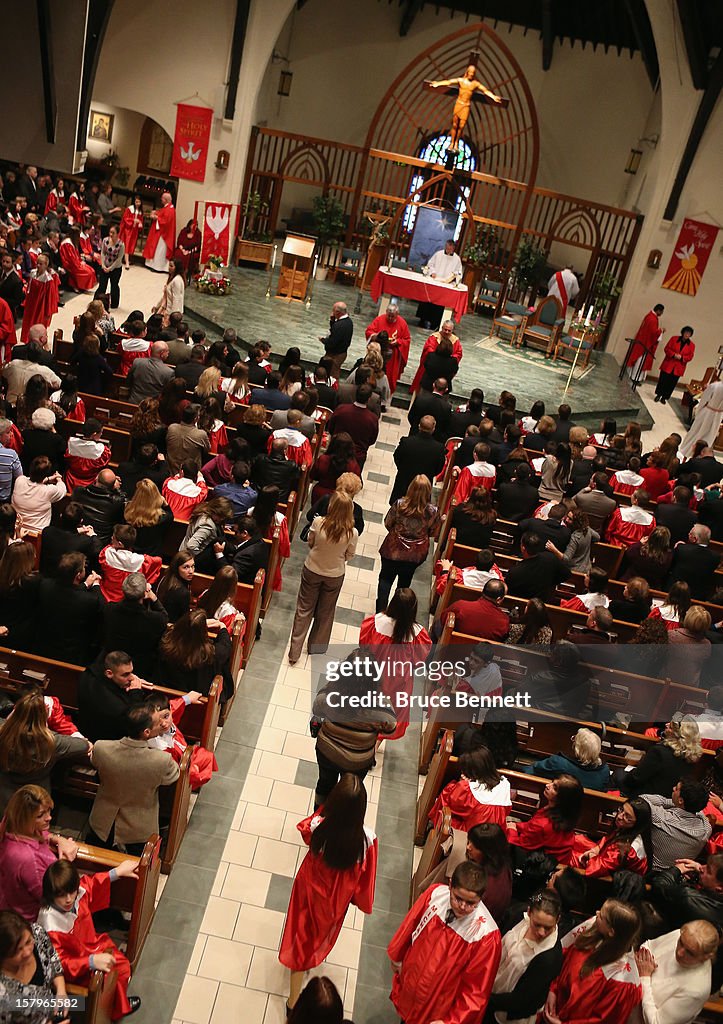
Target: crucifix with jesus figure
<point>467,89</point>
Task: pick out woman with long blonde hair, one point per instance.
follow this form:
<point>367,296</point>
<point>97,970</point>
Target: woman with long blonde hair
<point>665,764</point>
<point>332,542</point>
<point>29,750</point>
<point>149,513</point>
<point>209,383</point>
<point>410,523</point>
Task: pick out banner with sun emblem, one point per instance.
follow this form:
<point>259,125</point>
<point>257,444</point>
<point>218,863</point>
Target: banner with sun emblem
<point>190,143</point>
<point>690,257</point>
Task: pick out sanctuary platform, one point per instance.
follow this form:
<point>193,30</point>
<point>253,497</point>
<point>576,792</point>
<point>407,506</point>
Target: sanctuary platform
<point>489,363</point>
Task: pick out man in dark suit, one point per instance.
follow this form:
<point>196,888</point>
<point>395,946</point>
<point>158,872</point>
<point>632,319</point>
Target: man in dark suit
<point>418,453</point>
<point>436,404</point>
<point>472,416</point>
<point>11,285</point>
<point>275,469</point>
<point>581,471</point>
<point>357,420</point>
<point>694,563</point>
<point>707,465</point>
<point>36,350</point>
<point>71,534</point>
<point>564,424</point>
<point>336,343</point>
<point>51,248</point>
<point>483,617</point>
<point>252,552</point>
<point>538,573</point>
<point>551,528</point>
<point>191,371</point>
<point>69,607</point>
<point>710,513</point>
<point>145,463</point>
<point>106,691</point>
<point>270,396</point>
<point>28,187</point>
<point>677,515</point>
<point>518,499</point>
<point>136,624</point>
<point>328,397</point>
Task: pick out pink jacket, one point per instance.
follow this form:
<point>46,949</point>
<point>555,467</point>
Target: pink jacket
<point>23,862</point>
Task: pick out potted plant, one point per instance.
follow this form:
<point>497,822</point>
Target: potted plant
<point>604,290</point>
<point>529,263</point>
<point>328,224</point>
<point>254,207</point>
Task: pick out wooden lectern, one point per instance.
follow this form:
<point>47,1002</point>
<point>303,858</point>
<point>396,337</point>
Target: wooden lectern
<point>296,262</point>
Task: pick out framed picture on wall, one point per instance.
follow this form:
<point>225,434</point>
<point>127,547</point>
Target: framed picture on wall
<point>101,126</point>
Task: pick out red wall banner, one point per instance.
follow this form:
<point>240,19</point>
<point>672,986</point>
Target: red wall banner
<point>690,257</point>
<point>190,143</point>
<point>216,231</point>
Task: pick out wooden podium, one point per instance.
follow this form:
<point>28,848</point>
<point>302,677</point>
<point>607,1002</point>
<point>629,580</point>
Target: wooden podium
<point>296,261</point>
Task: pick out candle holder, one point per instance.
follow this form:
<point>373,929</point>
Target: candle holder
<point>583,328</point>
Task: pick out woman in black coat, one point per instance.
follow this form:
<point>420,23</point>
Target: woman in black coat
<point>665,764</point>
<point>190,658</point>
<point>91,368</point>
<point>439,363</point>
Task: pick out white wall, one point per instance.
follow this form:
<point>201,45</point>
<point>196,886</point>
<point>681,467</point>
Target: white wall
<point>182,50</point>
<point>345,54</point>
<point>127,127</point>
<point>701,200</point>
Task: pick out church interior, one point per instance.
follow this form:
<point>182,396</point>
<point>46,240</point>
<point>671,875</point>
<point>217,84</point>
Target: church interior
<point>541,176</point>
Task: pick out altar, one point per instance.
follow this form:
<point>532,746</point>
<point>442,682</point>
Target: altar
<point>408,284</point>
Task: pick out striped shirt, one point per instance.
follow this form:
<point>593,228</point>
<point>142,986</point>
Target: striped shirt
<point>676,833</point>
<point>10,470</point>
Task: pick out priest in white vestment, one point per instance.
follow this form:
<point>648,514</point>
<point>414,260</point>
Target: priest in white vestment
<point>708,416</point>
<point>563,285</point>
<point>444,266</point>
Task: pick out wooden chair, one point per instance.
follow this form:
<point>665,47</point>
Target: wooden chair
<point>542,328</point>
<point>488,296</point>
<point>509,321</point>
<point>348,266</point>
<point>567,348</point>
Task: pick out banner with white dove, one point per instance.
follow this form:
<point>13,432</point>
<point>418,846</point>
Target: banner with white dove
<point>190,143</point>
<point>218,230</point>
<point>690,257</point>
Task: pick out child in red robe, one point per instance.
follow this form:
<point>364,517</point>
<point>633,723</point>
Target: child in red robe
<point>41,300</point>
<point>80,276</point>
<point>172,740</point>
<point>184,491</point>
<point>446,952</point>
<point>66,915</point>
<point>86,455</point>
<point>480,794</point>
<point>117,559</point>
<point>552,828</point>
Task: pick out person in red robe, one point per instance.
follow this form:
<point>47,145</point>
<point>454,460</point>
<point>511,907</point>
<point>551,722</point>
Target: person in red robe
<point>41,301</point>
<point>56,197</point>
<point>171,739</point>
<point>78,208</point>
<point>161,236</point>
<point>481,794</point>
<point>69,903</point>
<point>552,828</point>
<point>627,847</point>
<point>399,341</point>
<point>86,455</point>
<point>407,642</point>
<point>446,952</point>
<point>80,276</point>
<point>8,337</point>
<point>336,873</point>
<point>131,226</point>
<point>446,330</point>
<point>641,355</point>
<point>609,991</point>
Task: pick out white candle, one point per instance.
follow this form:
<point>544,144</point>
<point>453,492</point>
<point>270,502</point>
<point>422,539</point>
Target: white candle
<point>273,258</point>
<point>588,317</point>
<point>316,264</point>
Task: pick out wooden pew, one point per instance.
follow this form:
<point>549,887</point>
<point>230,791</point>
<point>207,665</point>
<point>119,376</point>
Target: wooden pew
<point>598,809</point>
<point>179,798</point>
<point>64,351</point>
<point>199,722</point>
<point>432,852</point>
<point>119,440</point>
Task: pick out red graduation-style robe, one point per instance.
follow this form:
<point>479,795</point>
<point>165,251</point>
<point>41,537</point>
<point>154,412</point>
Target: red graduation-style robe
<point>80,275</point>
<point>203,761</point>
<point>41,301</point>
<point>320,899</point>
<point>625,481</point>
<point>114,565</point>
<point>376,631</point>
<point>611,857</point>
<point>74,937</point>
<point>132,349</point>
<point>627,525</point>
<point>478,474</point>
<point>608,995</point>
<point>539,833</point>
<point>447,970</point>
<point>8,337</point>
<point>647,340</point>
<point>130,227</point>
<point>472,803</point>
<point>299,450</point>
<point>430,345</point>
<point>76,210</point>
<point>163,226</point>
<point>58,721</point>
<point>84,460</point>
<point>400,341</point>
<point>182,495</point>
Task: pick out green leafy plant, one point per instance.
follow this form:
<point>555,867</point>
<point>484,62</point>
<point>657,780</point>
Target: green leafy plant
<point>328,219</point>
<point>483,249</point>
<point>255,207</point>
<point>605,289</point>
<point>529,263</point>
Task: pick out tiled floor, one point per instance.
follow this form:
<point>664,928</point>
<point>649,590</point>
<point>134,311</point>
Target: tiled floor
<point>212,953</point>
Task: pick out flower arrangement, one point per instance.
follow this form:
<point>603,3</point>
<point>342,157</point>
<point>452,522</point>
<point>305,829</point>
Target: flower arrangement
<point>212,280</point>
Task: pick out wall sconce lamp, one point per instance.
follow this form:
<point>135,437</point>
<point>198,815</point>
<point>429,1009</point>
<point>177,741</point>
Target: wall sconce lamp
<point>222,159</point>
<point>285,82</point>
<point>634,161</point>
<point>654,258</point>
